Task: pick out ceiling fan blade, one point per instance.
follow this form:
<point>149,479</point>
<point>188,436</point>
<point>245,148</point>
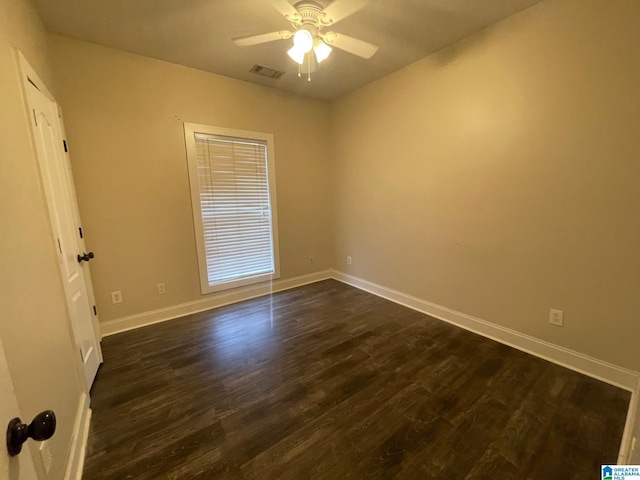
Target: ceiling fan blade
<point>341,9</point>
<point>261,38</point>
<point>351,45</point>
<point>285,8</point>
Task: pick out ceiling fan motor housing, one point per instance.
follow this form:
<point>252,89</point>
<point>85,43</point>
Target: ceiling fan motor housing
<point>311,16</point>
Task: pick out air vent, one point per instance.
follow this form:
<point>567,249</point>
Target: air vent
<point>266,71</point>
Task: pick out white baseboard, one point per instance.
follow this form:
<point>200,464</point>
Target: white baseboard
<point>590,366</point>
<point>579,362</point>
<point>214,300</point>
<point>75,463</point>
<point>627,446</point>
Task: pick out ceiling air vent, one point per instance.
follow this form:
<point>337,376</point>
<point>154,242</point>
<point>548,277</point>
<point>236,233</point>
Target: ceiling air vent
<point>266,71</point>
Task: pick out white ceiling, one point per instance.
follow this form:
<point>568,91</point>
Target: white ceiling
<point>198,33</point>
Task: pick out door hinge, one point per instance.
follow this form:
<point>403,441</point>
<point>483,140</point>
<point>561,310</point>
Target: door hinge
<point>59,246</point>
<point>35,117</point>
<point>64,144</point>
<point>80,230</point>
<point>95,310</point>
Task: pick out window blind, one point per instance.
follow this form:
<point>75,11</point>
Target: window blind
<point>232,175</point>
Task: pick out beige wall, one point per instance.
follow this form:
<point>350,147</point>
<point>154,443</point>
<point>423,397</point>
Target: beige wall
<point>124,116</point>
<point>34,326</point>
<point>500,177</point>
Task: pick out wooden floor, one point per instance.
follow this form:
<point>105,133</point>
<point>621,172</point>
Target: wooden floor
<point>329,382</point>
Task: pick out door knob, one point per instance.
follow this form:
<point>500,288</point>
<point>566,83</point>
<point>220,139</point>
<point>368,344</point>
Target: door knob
<point>42,428</point>
<point>86,257</point>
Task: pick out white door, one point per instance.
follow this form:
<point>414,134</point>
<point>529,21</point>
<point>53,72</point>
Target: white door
<point>21,466</point>
<point>58,185</point>
<point>85,265</point>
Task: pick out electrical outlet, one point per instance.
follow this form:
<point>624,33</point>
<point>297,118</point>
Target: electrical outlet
<point>556,317</point>
<point>45,456</point>
<point>310,258</point>
<point>116,297</point>
<point>161,289</point>
<point>349,260</point>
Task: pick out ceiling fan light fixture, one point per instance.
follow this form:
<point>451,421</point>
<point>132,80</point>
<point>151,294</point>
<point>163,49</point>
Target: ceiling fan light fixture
<point>303,40</point>
<point>322,50</point>
<point>297,54</point>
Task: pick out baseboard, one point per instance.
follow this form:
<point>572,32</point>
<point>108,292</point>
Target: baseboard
<point>628,444</point>
<point>590,366</point>
<point>579,362</point>
<point>75,463</point>
<point>214,300</point>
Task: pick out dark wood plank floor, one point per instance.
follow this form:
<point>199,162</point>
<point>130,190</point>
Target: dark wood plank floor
<point>329,382</point>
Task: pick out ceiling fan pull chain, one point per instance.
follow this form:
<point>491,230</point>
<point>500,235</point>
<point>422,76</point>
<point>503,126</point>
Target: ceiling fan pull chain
<point>299,74</point>
<point>308,67</point>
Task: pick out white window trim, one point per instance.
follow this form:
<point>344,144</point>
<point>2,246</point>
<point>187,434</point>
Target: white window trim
<point>190,129</point>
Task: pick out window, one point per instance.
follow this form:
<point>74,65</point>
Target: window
<point>231,173</point>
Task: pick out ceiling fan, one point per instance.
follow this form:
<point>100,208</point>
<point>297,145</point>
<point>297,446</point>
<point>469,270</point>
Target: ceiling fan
<point>309,19</point>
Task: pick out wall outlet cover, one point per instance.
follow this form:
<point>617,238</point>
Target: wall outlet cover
<point>556,317</point>
<point>116,297</point>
